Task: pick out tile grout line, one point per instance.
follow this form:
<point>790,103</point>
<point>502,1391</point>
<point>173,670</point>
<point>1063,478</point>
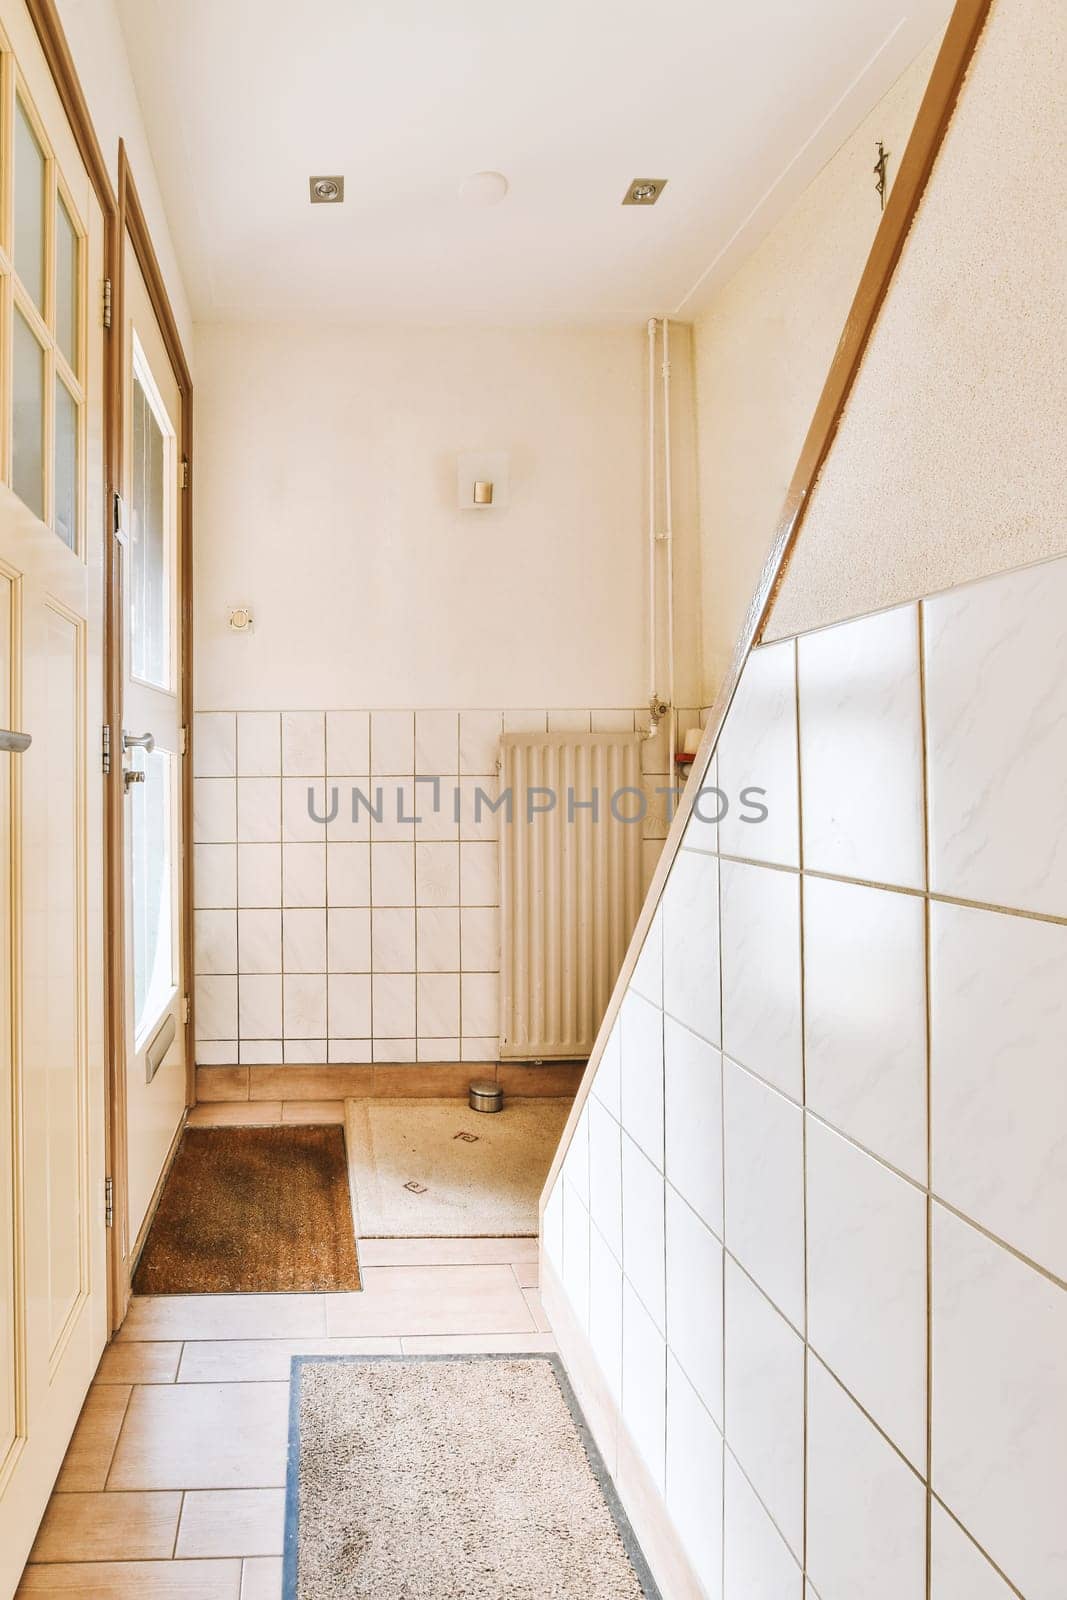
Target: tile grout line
<point>924,780</point>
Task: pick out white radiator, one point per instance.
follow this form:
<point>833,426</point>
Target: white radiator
<point>570,885</point>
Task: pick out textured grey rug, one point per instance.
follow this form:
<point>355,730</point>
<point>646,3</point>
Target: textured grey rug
<point>449,1478</point>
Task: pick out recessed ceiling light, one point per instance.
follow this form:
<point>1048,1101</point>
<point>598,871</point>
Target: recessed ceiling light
<point>483,189</point>
<point>327,191</point>
<point>644,191</point>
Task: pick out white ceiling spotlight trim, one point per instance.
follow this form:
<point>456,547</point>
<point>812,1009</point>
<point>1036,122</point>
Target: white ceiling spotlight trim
<point>483,189</point>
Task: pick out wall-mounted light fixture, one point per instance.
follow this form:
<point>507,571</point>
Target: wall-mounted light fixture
<point>482,480</point>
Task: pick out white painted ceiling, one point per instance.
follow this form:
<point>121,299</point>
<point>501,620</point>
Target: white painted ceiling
<point>736,102</point>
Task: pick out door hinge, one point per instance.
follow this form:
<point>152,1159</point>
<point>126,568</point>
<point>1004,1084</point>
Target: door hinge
<point>183,735</point>
<point>117,512</point>
<point>107,302</point>
<point>109,1203</point>
<point>185,1010</point>
<point>106,749</point>
<point>185,473</point>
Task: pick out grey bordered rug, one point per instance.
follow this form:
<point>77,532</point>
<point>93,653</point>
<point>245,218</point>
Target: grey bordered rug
<point>449,1478</point>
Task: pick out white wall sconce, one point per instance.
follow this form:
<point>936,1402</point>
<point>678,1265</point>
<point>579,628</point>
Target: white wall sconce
<point>483,480</point>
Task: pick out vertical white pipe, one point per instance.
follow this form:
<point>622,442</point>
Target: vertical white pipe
<point>668,531</point>
<point>652,607</point>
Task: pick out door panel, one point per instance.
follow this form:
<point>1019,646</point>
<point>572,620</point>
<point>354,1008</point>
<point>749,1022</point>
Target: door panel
<point>10,1355</point>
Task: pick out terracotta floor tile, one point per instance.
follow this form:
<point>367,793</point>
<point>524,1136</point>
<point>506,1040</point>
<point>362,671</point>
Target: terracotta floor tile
<point>226,1316</point>
<point>444,1344</point>
<point>92,1446</point>
<point>155,1362</point>
<point>445,1252</point>
<point>237,1114</point>
<point>411,1300</point>
<point>137,1580</point>
<point>262,1579</point>
<point>232,1522</point>
<point>313,1111</point>
<point>266,1360</point>
<point>203,1436</point>
<point>108,1527</point>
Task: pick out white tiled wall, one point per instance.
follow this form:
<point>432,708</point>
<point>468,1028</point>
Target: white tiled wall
<point>353,942</point>
<point>828,1139</point>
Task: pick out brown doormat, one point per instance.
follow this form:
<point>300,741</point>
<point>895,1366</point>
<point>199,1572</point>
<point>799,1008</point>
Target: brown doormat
<point>253,1211</point>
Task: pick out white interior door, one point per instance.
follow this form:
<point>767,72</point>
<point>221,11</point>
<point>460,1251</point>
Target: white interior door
<point>53,1301</point>
<point>152,735</point>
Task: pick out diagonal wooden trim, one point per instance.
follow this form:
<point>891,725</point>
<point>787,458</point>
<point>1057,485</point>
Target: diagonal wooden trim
<point>45,18</point>
<point>924,144</point>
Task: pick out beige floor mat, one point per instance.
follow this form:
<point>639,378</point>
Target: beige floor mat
<point>436,1169</point>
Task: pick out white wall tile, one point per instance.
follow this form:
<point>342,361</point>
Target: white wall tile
<point>620,721</point>
<point>437,874</point>
<point>480,1000</point>
<point>690,909</point>
<point>761,1010</point>
<point>259,1006</point>
<point>568,721</point>
<point>304,1052</point>
<point>996,698</point>
<point>758,749</point>
<point>575,1167</point>
<point>304,1006</point>
<point>351,804</point>
<point>348,874</point>
<point>259,744</point>
<point>694,1301</point>
<point>643,1256</point>
<point>478,803</point>
<point>644,1384</point>
<point>479,741</point>
<point>259,875</point>
<point>437,1050</point>
<point>348,1052</point>
<point>349,1013</point>
<point>861,758</point>
<point>605,1175</point>
<point>641,1075</point>
<point>393,999</point>
<point>395,812</point>
<point>999,1404</point>
<point>528,720</point>
<point>348,946</point>
<point>479,1050</point>
<point>395,1051</point>
<point>958,1569</point>
<point>214,744</point>
<point>997,1075</point>
<point>437,1004</point>
<point>216,1008</point>
<point>261,1052</point>
<point>214,810</point>
<point>392,868</point>
<point>480,938</point>
<point>259,941</point>
<point>479,875</point>
<point>605,1308</point>
<point>259,810</point>
<point>304,941</point>
<point>304,874</point>
<point>552,1230</point>
<point>576,1254</point>
<point>217,1052</point>
<point>304,800</point>
<point>607,1079</point>
<point>215,875</point>
<point>757,1562</point>
<point>866,1508</point>
<point>647,976</point>
<point>693,1120</point>
<point>764,1172</point>
<point>867,1284</point>
<point>702,828</point>
<point>437,743</point>
<point>304,744</point>
<point>215,941</point>
<point>694,1478</point>
<point>392,742</point>
<point>348,742</point>
<point>865,1017</point>
<point>764,1362</point>
<point>437,939</point>
<point>393,941</point>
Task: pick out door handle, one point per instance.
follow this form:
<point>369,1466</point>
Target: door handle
<point>138,741</point>
<point>15,742</point>
<point>132,777</point>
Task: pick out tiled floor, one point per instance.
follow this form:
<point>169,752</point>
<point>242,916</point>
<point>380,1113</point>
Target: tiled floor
<point>173,1485</point>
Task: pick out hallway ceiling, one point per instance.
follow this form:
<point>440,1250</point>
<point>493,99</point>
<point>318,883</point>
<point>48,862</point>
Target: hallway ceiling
<point>737,104</point>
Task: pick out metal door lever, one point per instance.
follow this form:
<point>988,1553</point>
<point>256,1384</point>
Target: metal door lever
<point>138,741</point>
<point>132,777</point>
<point>15,742</point>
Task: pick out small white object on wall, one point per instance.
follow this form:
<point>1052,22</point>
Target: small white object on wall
<point>240,619</point>
<point>483,480</point>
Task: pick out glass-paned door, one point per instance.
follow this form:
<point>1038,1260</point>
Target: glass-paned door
<point>153,742</point>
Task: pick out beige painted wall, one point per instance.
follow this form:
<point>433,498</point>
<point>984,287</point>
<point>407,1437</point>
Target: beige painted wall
<point>326,502</point>
<point>762,351</point>
<point>951,459</point>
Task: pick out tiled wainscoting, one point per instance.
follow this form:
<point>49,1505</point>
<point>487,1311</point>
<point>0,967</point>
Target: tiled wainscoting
<point>368,941</point>
<point>809,1237</point>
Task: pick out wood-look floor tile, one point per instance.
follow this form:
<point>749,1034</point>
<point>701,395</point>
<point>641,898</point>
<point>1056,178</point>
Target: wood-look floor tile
<point>92,1445</point>
<point>446,1252</point>
<point>232,1522</point>
<point>136,1580</point>
<point>525,1274</point>
<point>221,1083</point>
<point>154,1362</point>
<point>203,1436</point>
<point>108,1527</point>
<point>537,1310</point>
<point>266,1360</point>
<point>460,1344</point>
<point>316,1112</point>
<point>225,1316</point>
<point>262,1579</point>
<point>309,1083</point>
<point>410,1300</point>
<point>235,1114</point>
